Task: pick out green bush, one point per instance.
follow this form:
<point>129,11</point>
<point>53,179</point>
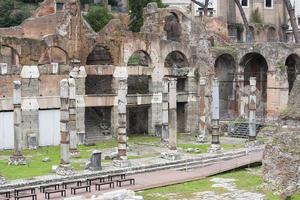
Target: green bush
<point>98,17</point>
<point>136,12</point>
<point>13,13</point>
<point>256,17</point>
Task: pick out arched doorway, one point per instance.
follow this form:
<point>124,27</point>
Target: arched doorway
<point>139,58</point>
<point>293,69</point>
<point>99,56</point>
<point>225,72</point>
<point>176,59</point>
<point>255,65</point>
<point>172,27</point>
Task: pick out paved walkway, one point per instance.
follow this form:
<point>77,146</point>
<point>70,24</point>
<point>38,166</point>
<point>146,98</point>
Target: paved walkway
<point>169,177</point>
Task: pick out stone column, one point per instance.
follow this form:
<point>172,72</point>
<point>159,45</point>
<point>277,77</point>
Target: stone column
<point>215,143</point>
<point>191,108</point>
<point>121,76</point>
<point>64,167</point>
<point>30,107</point>
<point>17,158</point>
<point>203,133</point>
<point>252,109</point>
<point>79,75</point>
<point>165,111</point>
<point>172,114</point>
<point>72,119</point>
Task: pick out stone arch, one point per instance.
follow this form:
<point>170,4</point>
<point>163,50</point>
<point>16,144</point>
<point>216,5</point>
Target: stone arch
<point>140,58</point>
<point>255,65</point>
<point>9,55</point>
<point>99,56</point>
<point>293,69</point>
<point>176,59</point>
<point>54,54</point>
<point>172,27</point>
<point>225,67</point>
<point>271,34</point>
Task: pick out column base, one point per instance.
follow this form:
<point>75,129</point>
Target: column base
<point>215,148</point>
<point>74,153</point>
<point>170,155</point>
<point>121,163</point>
<point>17,160</point>
<point>64,170</point>
<point>202,138</point>
<point>2,180</point>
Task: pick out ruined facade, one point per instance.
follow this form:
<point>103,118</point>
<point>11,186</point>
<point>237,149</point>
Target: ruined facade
<point>119,75</point>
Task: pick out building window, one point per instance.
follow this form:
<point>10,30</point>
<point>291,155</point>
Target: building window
<point>244,3</point>
<point>59,6</point>
<point>268,3</point>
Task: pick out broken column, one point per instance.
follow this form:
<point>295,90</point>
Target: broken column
<point>215,143</point>
<point>2,180</point>
<point>30,107</point>
<point>172,153</point>
<point>202,137</point>
<point>252,110</point>
<point>72,119</point>
<point>165,111</point>
<point>120,76</point>
<point>17,158</point>
<point>64,167</point>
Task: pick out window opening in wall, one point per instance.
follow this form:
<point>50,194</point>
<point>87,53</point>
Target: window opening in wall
<point>59,6</point>
<point>244,3</point>
<point>268,3</point>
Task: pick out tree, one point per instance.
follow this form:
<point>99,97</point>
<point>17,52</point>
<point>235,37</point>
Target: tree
<point>136,13</point>
<point>98,17</point>
<point>291,11</point>
<point>203,6</point>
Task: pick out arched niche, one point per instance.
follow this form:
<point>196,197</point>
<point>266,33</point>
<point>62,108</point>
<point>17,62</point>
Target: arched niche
<point>176,59</point>
<point>172,27</point>
<point>225,72</point>
<point>271,34</point>
<point>54,55</point>
<point>8,55</point>
<point>140,58</point>
<point>99,56</point>
<point>293,69</point>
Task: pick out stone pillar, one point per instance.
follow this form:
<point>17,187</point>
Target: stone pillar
<point>64,167</point>
<point>79,75</point>
<point>72,119</point>
<point>172,114</point>
<point>252,109</point>
<point>17,158</point>
<point>121,76</point>
<point>191,108</point>
<point>30,107</point>
<point>165,110</point>
<point>203,133</point>
<point>215,143</point>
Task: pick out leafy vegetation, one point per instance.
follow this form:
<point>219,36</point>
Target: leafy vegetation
<point>136,12</point>
<point>256,17</point>
<point>98,17</point>
<point>14,12</point>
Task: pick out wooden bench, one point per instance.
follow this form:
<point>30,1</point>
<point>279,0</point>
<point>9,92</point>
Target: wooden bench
<point>111,185</point>
<point>34,197</point>
<point>110,177</point>
<point>7,193</point>
<point>55,186</point>
<point>65,184</point>
<point>17,191</point>
<point>130,180</point>
<point>87,188</point>
<point>62,192</point>
<point>90,180</point>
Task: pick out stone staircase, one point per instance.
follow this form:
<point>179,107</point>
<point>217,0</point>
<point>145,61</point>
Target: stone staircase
<point>241,130</point>
<point>94,132</point>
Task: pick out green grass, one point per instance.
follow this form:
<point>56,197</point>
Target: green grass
<point>204,147</point>
<point>35,166</point>
<point>245,180</point>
